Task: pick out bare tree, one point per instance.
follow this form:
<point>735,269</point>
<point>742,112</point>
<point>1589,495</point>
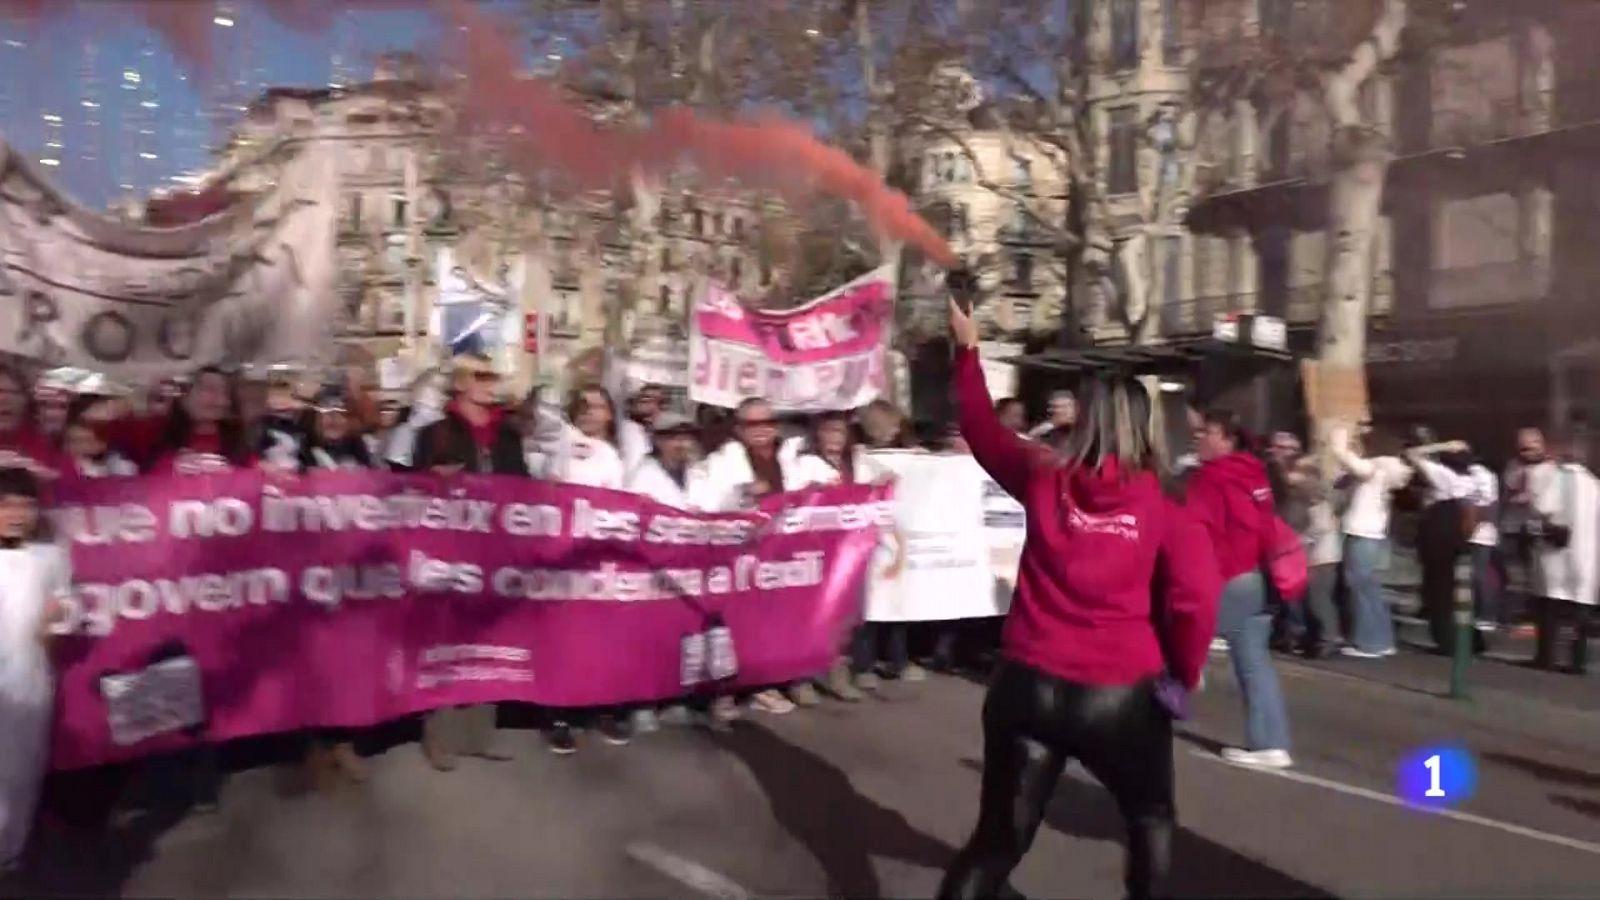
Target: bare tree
<point>1328,56</point>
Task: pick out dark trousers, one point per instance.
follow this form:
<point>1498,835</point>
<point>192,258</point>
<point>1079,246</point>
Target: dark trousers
<point>1033,724</point>
<point>1551,615</point>
<point>1439,545</point>
<point>864,646</point>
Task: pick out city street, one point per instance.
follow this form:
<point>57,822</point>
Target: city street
<point>872,800</point>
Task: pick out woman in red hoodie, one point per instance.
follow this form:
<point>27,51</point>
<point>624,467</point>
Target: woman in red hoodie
<point>1230,493</point>
<point>1088,639</point>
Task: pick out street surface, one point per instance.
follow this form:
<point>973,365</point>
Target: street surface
<point>872,800</point>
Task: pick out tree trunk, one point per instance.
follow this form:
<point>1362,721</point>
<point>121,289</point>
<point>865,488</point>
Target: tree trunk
<point>1361,153</point>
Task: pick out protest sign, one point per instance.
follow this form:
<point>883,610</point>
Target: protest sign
<point>948,569</point>
<point>830,353</point>
<point>217,607</point>
<point>254,282</point>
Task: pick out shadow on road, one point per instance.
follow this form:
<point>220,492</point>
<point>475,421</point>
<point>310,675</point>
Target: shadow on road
<point>1200,867</point>
<point>811,797</point>
<point>1546,771</point>
<point>1590,808</point>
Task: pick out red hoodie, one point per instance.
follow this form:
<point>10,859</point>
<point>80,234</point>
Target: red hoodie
<point>1097,540</point>
<point>1232,496</point>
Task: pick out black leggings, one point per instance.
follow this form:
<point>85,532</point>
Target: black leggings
<point>1033,724</point>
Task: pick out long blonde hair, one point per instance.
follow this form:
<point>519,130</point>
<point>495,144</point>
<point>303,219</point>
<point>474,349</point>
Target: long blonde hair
<point>1115,421</point>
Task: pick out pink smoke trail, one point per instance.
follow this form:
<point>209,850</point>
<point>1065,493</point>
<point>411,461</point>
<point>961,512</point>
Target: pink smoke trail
<point>545,132</point>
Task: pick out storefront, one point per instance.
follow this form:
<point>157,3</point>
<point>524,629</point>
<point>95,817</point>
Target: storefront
<point>1474,378</point>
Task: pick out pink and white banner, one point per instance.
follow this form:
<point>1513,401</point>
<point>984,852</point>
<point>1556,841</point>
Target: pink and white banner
<point>216,607</point>
<point>831,353</point>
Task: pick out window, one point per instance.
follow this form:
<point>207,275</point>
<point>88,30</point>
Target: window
<point>399,212</point>
<point>716,224</point>
<point>666,259</point>
<point>699,223</point>
<point>1125,33</point>
<point>354,215</point>
<point>947,167</point>
<point>1171,33</point>
<point>1124,176</point>
<point>1022,272</point>
<point>666,297</point>
<point>953,219</point>
<point>738,228</point>
<point>736,268</point>
<point>1022,171</point>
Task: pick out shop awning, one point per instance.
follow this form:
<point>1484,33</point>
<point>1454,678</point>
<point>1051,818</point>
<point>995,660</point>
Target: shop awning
<point>1172,358</point>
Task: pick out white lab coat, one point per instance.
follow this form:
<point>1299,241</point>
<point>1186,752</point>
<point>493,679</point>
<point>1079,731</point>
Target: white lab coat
<point>634,443</point>
<point>721,481</point>
<point>812,469</point>
<point>1377,478</point>
<point>650,478</point>
<point>568,455</point>
<point>29,578</point>
<point>1570,497</point>
<point>1484,496</point>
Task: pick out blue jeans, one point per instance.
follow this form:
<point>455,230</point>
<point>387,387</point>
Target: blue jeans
<point>1245,622</point>
<point>1371,626</point>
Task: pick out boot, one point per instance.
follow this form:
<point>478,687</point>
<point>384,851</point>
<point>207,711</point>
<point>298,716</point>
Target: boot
<point>841,685</point>
<point>804,694</point>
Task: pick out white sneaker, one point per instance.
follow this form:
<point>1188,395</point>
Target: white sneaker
<point>1358,653</point>
<point>1390,652</point>
<point>1219,645</point>
<point>1258,759</point>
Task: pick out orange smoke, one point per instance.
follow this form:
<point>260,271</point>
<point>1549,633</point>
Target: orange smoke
<point>546,133</point>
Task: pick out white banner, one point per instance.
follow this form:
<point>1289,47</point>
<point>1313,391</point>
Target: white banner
<point>948,569</point>
<point>252,283</point>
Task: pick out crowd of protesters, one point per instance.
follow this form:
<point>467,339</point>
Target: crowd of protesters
<point>1540,519</point>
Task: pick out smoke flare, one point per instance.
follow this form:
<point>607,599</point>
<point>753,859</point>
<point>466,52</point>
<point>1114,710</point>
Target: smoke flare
<point>546,133</point>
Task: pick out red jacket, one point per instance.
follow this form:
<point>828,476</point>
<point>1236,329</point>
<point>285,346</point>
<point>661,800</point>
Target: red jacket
<point>26,448</point>
<point>1084,608</point>
<point>1232,496</point>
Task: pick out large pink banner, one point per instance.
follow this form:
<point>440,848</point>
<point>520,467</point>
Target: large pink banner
<point>827,354</point>
<point>215,607</point>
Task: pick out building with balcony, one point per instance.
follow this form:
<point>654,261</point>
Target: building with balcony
<point>1480,269</point>
<point>575,275</point>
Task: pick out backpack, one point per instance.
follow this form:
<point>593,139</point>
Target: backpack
<point>1287,567</point>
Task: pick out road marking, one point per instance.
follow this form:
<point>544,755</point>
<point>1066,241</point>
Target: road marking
<point>687,872</point>
<point>1355,791</point>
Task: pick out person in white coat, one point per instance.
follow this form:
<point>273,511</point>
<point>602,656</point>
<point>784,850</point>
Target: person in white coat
<point>1567,557</point>
<point>636,432</point>
<point>34,578</point>
<point>663,474</point>
<point>831,455</point>
<point>735,477</point>
<point>579,446</point>
<point>1373,477</point>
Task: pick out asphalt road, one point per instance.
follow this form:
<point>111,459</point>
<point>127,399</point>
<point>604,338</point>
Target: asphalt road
<point>872,800</point>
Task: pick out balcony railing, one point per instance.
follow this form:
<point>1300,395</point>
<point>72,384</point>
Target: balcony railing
<point>1467,287</point>
<point>1197,315</point>
<point>1031,234</point>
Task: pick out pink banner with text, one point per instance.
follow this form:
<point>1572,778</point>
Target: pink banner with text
<point>830,353</point>
<point>216,607</point>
